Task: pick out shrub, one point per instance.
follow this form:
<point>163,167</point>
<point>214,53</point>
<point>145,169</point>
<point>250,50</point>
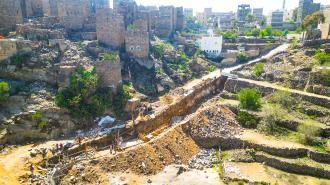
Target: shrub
<point>249,99</point>
<point>19,59</point>
<point>4,91</point>
<point>283,98</point>
<point>211,68</point>
<point>247,120</point>
<point>42,124</point>
<point>83,97</point>
<point>309,135</point>
<point>325,76</point>
<point>120,100</point>
<point>242,57</point>
<point>36,117</point>
<point>160,48</point>
<point>271,114</point>
<point>322,57</point>
<point>258,69</point>
<point>110,56</point>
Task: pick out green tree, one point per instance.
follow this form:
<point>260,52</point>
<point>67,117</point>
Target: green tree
<point>310,22</point>
<point>263,33</point>
<point>269,30</point>
<point>249,99</point>
<point>84,98</point>
<point>250,18</point>
<point>242,57</point>
<point>4,91</point>
<point>263,21</point>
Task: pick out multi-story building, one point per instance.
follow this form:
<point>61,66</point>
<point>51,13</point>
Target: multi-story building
<point>165,21</point>
<point>276,19</point>
<point>242,12</point>
<point>306,7</point>
<point>179,18</point>
<point>201,18</point>
<point>258,13</point>
<point>188,12</point>
<point>11,14</point>
<point>208,12</point>
<point>224,19</point>
<point>211,45</point>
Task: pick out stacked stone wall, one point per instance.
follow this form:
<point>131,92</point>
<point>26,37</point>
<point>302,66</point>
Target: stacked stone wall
<point>7,48</point>
<point>110,28</point>
<point>109,72</point>
<point>137,40</point>
<point>10,15</point>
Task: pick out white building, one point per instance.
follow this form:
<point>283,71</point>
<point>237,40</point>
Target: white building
<point>211,45</point>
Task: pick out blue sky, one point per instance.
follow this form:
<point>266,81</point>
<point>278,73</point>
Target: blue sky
<point>227,5</point>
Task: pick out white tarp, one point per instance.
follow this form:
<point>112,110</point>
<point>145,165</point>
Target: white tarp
<point>106,121</point>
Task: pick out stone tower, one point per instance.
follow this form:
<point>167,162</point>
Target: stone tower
<point>110,28</point>
<point>10,15</point>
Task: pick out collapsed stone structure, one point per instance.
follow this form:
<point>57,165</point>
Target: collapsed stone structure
<point>11,14</point>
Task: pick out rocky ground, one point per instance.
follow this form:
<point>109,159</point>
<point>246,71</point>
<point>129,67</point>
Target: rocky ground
<point>295,68</point>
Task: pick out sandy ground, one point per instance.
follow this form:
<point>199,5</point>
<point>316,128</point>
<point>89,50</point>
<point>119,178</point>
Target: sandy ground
<point>15,163</point>
<point>257,172</point>
<point>168,176</point>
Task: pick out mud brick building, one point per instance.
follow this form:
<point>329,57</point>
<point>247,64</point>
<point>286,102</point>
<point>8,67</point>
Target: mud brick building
<point>11,14</point>
<point>109,72</point>
<point>110,28</point>
<point>137,40</point>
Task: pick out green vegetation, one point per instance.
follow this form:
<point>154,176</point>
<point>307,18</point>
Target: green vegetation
<point>218,167</point>
<point>160,48</point>
<point>110,56</point>
<point>325,76</point>
<point>130,27</point>
<point>120,100</point>
<point>231,34</point>
<point>271,114</point>
<point>323,57</point>
<point>284,99</point>
<point>294,41</point>
<point>258,69</point>
<point>309,135</point>
<point>37,118</point>
<point>249,99</point>
<point>242,57</point>
<point>311,21</point>
<point>247,120</point>
<point>211,68</point>
<point>19,59</point>
<point>4,91</point>
<point>84,98</point>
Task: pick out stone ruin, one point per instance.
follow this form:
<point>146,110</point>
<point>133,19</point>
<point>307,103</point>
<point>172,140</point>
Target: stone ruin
<point>137,40</point>
<point>109,72</point>
<point>110,28</point>
<point>11,14</point>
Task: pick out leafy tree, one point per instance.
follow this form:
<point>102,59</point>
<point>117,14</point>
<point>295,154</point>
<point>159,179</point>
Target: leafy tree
<point>258,69</point>
<point>250,18</point>
<point>247,120</point>
<point>311,21</point>
<point>263,33</point>
<point>83,97</point>
<point>263,21</point>
<point>4,91</point>
<point>269,30</point>
<point>249,99</point>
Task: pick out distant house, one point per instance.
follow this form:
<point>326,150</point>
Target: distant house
<point>211,45</point>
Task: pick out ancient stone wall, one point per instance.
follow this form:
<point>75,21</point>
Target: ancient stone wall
<point>73,13</point>
<point>35,8</point>
<point>110,28</point>
<point>31,32</point>
<point>126,8</point>
<point>109,72</point>
<point>137,40</point>
<point>7,48</point>
<point>10,15</point>
<point>165,21</point>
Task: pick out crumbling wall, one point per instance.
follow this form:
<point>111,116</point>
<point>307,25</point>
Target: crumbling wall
<point>181,106</point>
<point>137,40</point>
<point>7,48</point>
<point>165,21</point>
<point>109,72</point>
<point>73,13</point>
<point>10,15</point>
<point>110,28</point>
<point>34,8</point>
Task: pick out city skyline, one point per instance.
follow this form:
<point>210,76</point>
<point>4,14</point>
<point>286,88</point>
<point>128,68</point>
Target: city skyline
<point>223,5</point>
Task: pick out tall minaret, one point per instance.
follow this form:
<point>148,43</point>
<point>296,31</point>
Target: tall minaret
<point>283,5</point>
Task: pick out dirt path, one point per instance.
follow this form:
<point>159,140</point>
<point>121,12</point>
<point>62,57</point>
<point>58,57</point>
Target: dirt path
<point>13,165</point>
